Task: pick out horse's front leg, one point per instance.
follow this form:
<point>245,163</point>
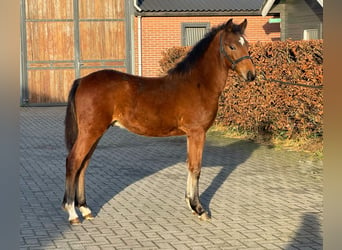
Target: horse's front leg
<point>195,145</point>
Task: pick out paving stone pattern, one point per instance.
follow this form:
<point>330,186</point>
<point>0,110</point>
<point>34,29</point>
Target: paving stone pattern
<point>259,197</point>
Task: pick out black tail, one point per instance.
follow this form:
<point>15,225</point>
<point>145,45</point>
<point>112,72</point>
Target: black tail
<point>71,128</point>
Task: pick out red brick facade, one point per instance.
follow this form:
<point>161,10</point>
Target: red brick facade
<point>160,33</point>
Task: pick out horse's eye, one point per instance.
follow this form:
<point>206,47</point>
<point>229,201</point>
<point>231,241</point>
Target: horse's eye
<point>232,47</point>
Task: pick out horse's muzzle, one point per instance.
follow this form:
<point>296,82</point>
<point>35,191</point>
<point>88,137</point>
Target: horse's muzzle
<point>250,76</point>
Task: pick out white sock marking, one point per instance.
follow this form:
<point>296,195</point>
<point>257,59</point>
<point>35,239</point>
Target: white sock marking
<point>71,211</point>
<point>85,211</point>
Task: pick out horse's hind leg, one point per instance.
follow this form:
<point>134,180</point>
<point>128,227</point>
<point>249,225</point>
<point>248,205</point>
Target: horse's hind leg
<point>80,199</point>
<point>74,164</point>
<point>195,146</point>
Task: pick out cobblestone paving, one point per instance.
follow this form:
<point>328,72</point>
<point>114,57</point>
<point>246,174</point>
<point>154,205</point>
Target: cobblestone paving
<point>258,197</point>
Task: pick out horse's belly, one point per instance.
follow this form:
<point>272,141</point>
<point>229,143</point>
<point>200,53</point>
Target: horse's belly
<point>150,130</point>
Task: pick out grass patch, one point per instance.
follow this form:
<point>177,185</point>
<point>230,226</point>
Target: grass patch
<point>314,146</point>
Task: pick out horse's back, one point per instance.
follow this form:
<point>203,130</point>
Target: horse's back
<point>143,105</point>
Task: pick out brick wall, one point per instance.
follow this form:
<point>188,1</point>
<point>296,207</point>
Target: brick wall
<point>160,33</point>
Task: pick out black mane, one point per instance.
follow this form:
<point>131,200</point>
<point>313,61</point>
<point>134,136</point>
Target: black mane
<point>198,50</point>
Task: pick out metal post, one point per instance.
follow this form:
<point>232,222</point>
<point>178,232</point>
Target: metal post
<point>23,56</point>
<point>77,38</point>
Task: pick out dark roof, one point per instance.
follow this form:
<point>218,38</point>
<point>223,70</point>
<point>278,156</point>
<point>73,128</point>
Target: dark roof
<point>200,6</point>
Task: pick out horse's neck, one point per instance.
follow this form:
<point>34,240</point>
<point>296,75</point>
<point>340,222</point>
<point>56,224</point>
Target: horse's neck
<point>212,70</point>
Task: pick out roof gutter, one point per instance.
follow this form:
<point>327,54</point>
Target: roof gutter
<point>136,6</point>
<point>198,13</point>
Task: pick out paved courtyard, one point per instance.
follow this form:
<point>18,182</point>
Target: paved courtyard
<point>259,197</point>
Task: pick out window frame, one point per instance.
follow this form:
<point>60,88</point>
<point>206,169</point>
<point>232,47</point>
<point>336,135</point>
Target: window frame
<point>307,35</point>
<point>185,25</point>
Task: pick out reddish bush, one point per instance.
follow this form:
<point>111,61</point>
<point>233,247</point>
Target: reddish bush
<point>266,107</point>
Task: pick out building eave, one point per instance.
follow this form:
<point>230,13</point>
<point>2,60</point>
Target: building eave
<point>197,13</point>
<point>266,7</point>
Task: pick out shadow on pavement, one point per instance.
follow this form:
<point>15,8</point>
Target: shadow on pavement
<point>133,158</point>
<point>308,234</point>
<point>229,157</point>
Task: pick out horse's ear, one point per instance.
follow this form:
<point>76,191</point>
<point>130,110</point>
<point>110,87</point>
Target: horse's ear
<point>243,26</point>
<point>229,25</point>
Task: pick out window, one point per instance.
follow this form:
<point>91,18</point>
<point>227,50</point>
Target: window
<point>310,34</point>
<point>193,32</point>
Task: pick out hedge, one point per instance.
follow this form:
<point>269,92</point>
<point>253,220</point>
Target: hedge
<point>266,107</point>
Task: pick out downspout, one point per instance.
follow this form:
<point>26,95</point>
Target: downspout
<point>266,7</point>
<point>135,3</point>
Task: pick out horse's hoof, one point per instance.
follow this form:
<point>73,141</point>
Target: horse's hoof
<point>89,217</point>
<point>75,221</point>
<point>204,217</point>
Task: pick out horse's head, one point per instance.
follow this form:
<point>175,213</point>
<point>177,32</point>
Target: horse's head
<point>234,50</point>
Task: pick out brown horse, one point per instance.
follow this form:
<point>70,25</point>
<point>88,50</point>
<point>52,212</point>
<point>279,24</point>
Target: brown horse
<point>183,102</point>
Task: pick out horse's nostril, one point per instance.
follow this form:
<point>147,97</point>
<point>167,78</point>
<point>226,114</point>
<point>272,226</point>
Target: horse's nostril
<point>250,76</point>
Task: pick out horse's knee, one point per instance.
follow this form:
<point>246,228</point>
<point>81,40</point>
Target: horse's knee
<point>194,171</point>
